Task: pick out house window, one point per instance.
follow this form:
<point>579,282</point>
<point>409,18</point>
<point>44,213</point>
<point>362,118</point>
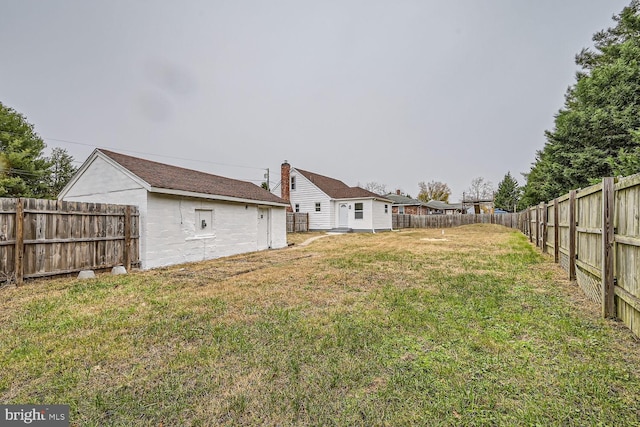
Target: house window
<point>293,182</point>
<point>359,210</point>
<point>204,222</point>
<point>401,210</point>
<point>297,207</point>
<point>386,208</point>
<point>317,206</point>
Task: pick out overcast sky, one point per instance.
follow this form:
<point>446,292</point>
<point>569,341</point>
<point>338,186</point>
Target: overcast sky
<point>395,92</point>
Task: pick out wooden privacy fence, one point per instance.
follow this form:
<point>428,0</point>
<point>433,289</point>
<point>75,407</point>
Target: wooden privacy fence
<point>297,222</point>
<point>594,233</point>
<point>47,237</point>
<point>399,221</point>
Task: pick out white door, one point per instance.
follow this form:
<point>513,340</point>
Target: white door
<point>264,238</point>
<point>343,220</point>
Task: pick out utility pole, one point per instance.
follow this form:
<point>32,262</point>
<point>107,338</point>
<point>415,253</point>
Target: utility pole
<point>266,177</point>
<point>463,209</point>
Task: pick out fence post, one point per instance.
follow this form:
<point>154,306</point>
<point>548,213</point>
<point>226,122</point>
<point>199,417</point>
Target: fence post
<point>308,224</point>
<point>538,225</point>
<point>127,238</point>
<point>529,228</point>
<point>19,247</point>
<point>545,219</point>
<point>608,287</point>
<point>572,235</point>
<point>556,232</point>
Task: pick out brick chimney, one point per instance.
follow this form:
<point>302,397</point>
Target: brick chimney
<point>285,182</point>
<point>398,192</point>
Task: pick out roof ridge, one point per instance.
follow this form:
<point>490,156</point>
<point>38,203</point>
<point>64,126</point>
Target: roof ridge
<point>170,177</point>
<point>335,188</point>
<point>107,152</point>
<point>306,172</point>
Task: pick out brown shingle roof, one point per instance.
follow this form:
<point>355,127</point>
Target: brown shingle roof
<point>337,189</point>
<point>399,199</point>
<point>169,177</point>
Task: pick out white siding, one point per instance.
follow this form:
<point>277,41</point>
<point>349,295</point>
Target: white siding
<point>168,233</point>
<point>173,230</point>
<point>103,183</point>
<point>381,220</point>
<point>101,178</point>
<point>174,236</point>
<point>373,216</point>
<point>278,228</point>
<point>307,194</point>
<point>366,223</point>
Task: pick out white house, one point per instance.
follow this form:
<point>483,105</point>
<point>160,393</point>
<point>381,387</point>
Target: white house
<point>332,204</point>
<point>185,215</point>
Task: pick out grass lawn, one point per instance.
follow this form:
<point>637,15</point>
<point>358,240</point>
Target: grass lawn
<point>472,327</point>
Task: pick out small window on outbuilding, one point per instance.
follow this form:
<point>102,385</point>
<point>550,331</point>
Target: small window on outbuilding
<point>293,182</point>
<point>318,207</point>
<point>359,210</point>
<point>204,222</point>
<point>386,208</point>
<point>297,207</point>
<point>401,210</point>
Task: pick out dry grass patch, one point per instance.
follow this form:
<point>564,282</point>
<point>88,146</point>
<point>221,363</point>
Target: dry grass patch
<point>398,328</point>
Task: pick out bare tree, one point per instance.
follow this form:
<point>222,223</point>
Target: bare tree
<point>375,187</point>
<point>434,190</point>
<point>479,193</point>
<point>480,190</point>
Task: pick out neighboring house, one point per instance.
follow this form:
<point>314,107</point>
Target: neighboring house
<point>438,207</point>
<point>408,206</point>
<point>332,204</point>
<point>185,215</point>
<point>404,205</point>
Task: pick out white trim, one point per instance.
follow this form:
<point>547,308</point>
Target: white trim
<point>364,198</point>
<point>213,197</point>
<point>145,185</point>
<point>87,163</point>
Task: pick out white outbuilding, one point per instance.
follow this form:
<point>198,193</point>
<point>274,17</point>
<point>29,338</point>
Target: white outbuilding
<point>185,215</point>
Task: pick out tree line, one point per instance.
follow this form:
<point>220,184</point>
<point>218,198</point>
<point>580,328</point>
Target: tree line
<point>24,170</point>
<point>597,131</point>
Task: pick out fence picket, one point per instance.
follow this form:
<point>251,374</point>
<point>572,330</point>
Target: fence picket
<point>47,237</point>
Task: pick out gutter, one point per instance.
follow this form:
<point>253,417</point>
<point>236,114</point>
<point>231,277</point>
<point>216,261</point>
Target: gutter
<point>214,197</point>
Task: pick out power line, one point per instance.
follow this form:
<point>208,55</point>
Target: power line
<point>153,154</point>
<point>27,173</point>
<point>139,152</point>
<point>21,172</point>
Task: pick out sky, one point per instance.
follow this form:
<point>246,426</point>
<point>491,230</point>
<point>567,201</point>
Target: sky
<point>392,92</point>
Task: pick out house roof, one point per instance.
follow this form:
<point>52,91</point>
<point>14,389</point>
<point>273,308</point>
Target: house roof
<point>437,204</point>
<point>168,177</point>
<point>337,189</point>
<point>399,199</point>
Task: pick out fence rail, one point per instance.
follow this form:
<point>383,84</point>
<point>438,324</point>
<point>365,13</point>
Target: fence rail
<point>399,221</point>
<point>594,234</point>
<point>297,222</point>
<point>41,238</point>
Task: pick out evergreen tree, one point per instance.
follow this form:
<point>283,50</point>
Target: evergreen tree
<point>627,163</point>
<point>508,194</point>
<point>61,170</point>
<point>23,169</point>
<point>600,118</point>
